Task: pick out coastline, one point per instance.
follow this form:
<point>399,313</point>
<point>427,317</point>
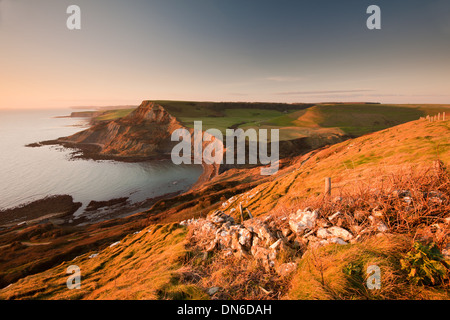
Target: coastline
<point>95,211</point>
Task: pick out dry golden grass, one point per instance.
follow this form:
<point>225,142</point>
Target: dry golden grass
<point>141,266</point>
<point>351,164</point>
<point>340,272</point>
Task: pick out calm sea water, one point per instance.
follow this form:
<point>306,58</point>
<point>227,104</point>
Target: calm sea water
<point>28,174</point>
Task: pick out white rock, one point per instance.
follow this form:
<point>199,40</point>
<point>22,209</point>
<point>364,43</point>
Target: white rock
<point>334,232</point>
<point>114,244</point>
<point>323,233</point>
<point>286,268</point>
<point>276,244</point>
<point>334,216</point>
<point>213,290</point>
<point>340,233</point>
<point>245,237</point>
<point>446,252</point>
<point>337,241</point>
<point>302,221</point>
<point>94,255</point>
<point>382,227</point>
<point>408,200</point>
<point>379,225</point>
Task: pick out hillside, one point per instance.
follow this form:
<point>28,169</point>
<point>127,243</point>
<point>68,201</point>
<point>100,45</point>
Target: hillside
<point>294,121</point>
<point>389,203</point>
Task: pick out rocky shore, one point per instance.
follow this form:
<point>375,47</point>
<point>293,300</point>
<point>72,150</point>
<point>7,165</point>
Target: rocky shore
<point>55,208</point>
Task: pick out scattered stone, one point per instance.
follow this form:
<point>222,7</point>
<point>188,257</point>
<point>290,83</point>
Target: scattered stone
<point>286,232</point>
<point>94,255</point>
<point>218,217</point>
<point>408,200</point>
<point>379,225</point>
<point>356,229</point>
<point>245,237</point>
<point>302,221</point>
<point>324,233</point>
<point>401,193</point>
<point>360,215</point>
<point>261,254</point>
<point>212,246</point>
<point>276,244</point>
<point>286,269</point>
<point>377,212</point>
<point>114,244</point>
<point>337,241</point>
<point>334,232</point>
<point>333,218</point>
<point>446,252</point>
<point>212,291</point>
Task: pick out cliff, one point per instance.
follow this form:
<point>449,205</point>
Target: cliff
<point>143,133</point>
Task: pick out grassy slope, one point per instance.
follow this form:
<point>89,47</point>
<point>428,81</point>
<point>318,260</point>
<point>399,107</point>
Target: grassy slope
<point>353,162</point>
<point>356,119</point>
<point>141,266</point>
<point>113,114</point>
<point>294,120</point>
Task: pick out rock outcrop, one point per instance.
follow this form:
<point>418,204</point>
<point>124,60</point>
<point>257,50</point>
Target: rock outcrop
<point>266,239</point>
<point>145,132</point>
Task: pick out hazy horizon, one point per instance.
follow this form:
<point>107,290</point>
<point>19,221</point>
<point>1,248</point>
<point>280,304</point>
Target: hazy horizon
<point>211,50</point>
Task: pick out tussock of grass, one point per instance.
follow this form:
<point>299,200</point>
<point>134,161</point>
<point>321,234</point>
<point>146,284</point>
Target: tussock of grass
<point>326,273</point>
<point>340,272</point>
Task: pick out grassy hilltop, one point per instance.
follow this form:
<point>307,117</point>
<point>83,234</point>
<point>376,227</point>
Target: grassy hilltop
<point>293,120</point>
<point>389,174</point>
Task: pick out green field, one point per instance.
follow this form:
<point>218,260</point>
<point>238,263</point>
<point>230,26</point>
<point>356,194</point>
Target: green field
<point>293,120</point>
<point>114,114</point>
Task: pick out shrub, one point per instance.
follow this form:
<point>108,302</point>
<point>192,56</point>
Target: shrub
<point>425,265</point>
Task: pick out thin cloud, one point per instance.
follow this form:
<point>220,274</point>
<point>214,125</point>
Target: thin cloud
<point>284,79</point>
<point>239,94</point>
<point>322,92</point>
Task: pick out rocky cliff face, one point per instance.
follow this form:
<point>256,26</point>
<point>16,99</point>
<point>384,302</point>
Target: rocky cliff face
<point>143,133</point>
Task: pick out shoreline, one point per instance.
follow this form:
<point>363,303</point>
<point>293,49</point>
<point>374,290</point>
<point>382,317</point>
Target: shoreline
<point>112,208</point>
<point>60,210</point>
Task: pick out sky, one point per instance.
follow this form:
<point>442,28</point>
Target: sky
<point>222,50</point>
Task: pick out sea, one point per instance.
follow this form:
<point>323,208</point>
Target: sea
<point>28,174</point>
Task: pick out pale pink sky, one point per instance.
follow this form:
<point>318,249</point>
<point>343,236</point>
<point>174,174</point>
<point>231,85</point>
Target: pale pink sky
<point>129,51</point>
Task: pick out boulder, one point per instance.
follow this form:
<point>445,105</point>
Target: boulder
<point>286,269</point>
<point>446,252</point>
<point>224,237</point>
<point>286,232</point>
<point>302,221</point>
<point>245,237</point>
<point>378,225</point>
<point>337,241</point>
<point>218,218</point>
<point>334,232</point>
<point>212,291</point>
<point>261,230</point>
<point>261,254</point>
